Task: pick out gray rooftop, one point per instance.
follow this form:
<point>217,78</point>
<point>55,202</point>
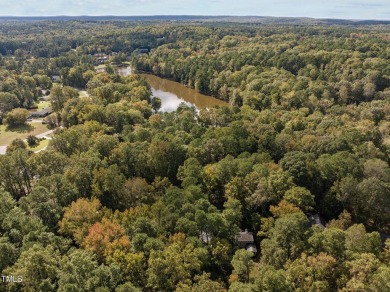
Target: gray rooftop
<point>317,220</point>
<point>245,236</point>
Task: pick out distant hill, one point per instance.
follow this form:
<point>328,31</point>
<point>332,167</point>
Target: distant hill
<point>200,18</point>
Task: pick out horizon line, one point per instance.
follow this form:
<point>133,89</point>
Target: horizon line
<point>193,15</point>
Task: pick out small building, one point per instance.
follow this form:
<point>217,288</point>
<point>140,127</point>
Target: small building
<point>316,219</point>
<point>101,57</point>
<point>252,248</point>
<point>246,240</point>
<point>41,114</point>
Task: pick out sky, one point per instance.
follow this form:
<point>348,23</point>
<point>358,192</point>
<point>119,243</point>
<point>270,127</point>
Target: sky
<point>344,9</point>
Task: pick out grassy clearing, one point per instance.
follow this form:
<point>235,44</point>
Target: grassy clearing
<point>40,146</point>
<point>7,135</point>
<point>43,104</point>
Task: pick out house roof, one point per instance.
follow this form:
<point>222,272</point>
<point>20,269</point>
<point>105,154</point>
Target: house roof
<point>41,113</point>
<point>251,248</point>
<point>245,236</point>
<point>317,220</point>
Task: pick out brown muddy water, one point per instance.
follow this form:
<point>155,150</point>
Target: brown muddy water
<point>172,93</point>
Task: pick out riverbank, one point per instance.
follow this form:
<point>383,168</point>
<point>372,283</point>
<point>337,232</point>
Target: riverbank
<point>170,92</point>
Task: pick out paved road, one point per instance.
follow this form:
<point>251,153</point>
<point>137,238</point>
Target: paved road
<point>44,148</point>
<point>45,134</point>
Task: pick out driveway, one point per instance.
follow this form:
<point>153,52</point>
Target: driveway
<point>44,135</point>
<point>35,121</point>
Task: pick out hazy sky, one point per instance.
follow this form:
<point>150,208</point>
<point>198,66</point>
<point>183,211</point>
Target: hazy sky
<point>348,9</point>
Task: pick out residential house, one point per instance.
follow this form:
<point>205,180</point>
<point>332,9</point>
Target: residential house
<point>246,240</point>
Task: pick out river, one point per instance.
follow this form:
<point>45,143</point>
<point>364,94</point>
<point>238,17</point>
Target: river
<point>172,94</point>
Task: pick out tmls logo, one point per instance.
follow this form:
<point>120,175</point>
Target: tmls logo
<point>12,279</point>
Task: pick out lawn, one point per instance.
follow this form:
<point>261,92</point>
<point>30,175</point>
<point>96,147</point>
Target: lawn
<point>6,136</point>
<point>43,104</point>
<point>40,146</point>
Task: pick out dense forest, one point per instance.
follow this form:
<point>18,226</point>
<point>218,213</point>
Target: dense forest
<point>130,198</point>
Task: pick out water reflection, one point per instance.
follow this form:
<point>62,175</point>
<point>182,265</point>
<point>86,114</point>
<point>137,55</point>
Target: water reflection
<point>169,101</point>
<point>172,94</point>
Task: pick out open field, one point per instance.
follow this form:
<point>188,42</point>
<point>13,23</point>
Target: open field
<point>6,136</point>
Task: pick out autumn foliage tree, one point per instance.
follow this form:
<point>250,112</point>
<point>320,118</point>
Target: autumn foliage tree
<point>105,237</point>
<point>79,217</point>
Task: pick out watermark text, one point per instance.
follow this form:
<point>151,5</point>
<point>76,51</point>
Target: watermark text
<point>11,279</point>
